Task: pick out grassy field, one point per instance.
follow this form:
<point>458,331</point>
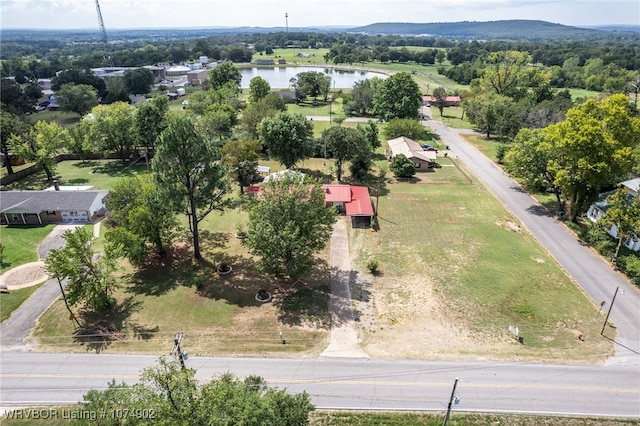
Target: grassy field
<point>457,270</point>
<point>65,119</point>
<point>21,244</point>
<point>101,174</point>
<point>452,117</point>
<point>9,302</point>
<point>294,56</point>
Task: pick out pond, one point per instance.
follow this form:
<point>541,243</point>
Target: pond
<point>278,77</point>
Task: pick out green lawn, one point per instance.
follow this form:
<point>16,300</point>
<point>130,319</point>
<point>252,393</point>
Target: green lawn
<point>292,58</point>
<point>21,244</point>
<point>101,174</point>
<point>452,117</point>
<point>9,302</point>
<point>486,272</point>
<point>65,119</point>
<point>321,108</point>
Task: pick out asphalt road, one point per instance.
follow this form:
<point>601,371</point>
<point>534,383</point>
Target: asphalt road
<point>584,266</point>
<point>613,391</point>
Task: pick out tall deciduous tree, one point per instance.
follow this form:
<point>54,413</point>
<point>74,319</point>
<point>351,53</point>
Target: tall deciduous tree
<point>362,96</point>
<point>528,160</point>
<point>175,397</point>
<point>398,97</point>
<point>141,217</point>
<point>488,112</point>
<point>345,144</point>
<point>408,127</point>
<point>10,126</point>
<point>311,83</point>
<point>440,93</point>
<point>90,279</point>
<point>242,158</point>
<point>594,148</point>
<point>288,225</point>
<point>150,119</point>
<point>268,106</point>
<point>79,76</point>
<point>223,74</point>
<point>219,121</point>
<point>370,132</point>
<point>187,166</point>
<point>114,127</point>
<point>15,98</point>
<point>79,141</point>
<point>138,81</point>
<point>258,88</point>
<point>41,145</point>
<point>505,71</point>
<point>624,214</point>
<point>77,98</point>
<point>287,137</point>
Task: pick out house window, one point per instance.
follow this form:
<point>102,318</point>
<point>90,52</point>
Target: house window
<point>417,165</point>
<point>51,213</point>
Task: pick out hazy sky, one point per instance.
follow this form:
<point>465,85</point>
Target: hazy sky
<point>271,13</point>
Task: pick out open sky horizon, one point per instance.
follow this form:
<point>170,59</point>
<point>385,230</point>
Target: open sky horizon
<point>121,14</point>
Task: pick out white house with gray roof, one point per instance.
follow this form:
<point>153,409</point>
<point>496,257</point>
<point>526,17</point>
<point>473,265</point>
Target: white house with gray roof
<point>600,207</point>
<point>413,151</point>
<point>41,207</point>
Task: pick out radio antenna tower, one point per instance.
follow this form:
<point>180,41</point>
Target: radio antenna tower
<point>103,35</point>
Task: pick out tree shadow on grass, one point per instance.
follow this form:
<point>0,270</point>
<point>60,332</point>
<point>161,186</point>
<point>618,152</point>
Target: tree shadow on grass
<point>238,287</point>
<point>317,174</point>
<point>101,329</point>
<point>161,274</point>
<point>214,240</point>
<point>114,168</point>
<point>307,302</point>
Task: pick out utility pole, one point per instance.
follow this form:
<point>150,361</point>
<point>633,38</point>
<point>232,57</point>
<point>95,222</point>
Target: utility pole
<point>177,339</point>
<point>453,393</point>
<point>609,311</point>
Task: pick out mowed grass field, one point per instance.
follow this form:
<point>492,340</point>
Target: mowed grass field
<point>457,270</point>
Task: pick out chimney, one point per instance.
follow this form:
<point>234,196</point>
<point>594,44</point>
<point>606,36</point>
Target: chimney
<point>55,185</point>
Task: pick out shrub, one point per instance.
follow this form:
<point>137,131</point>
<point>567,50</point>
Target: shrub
<point>601,241</point>
<point>198,283</point>
<point>501,151</point>
<point>372,266</point>
<point>402,167</point>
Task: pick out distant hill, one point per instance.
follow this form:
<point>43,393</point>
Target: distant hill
<point>491,30</point>
<point>619,28</point>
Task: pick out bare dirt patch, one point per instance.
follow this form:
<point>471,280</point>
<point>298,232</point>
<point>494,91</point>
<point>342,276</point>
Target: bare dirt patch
<point>24,275</point>
<point>411,322</point>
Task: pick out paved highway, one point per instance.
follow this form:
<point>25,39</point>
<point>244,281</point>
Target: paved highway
<point>613,390</point>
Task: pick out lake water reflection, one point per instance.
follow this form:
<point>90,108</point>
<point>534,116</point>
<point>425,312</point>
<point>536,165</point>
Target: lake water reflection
<point>278,77</point>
